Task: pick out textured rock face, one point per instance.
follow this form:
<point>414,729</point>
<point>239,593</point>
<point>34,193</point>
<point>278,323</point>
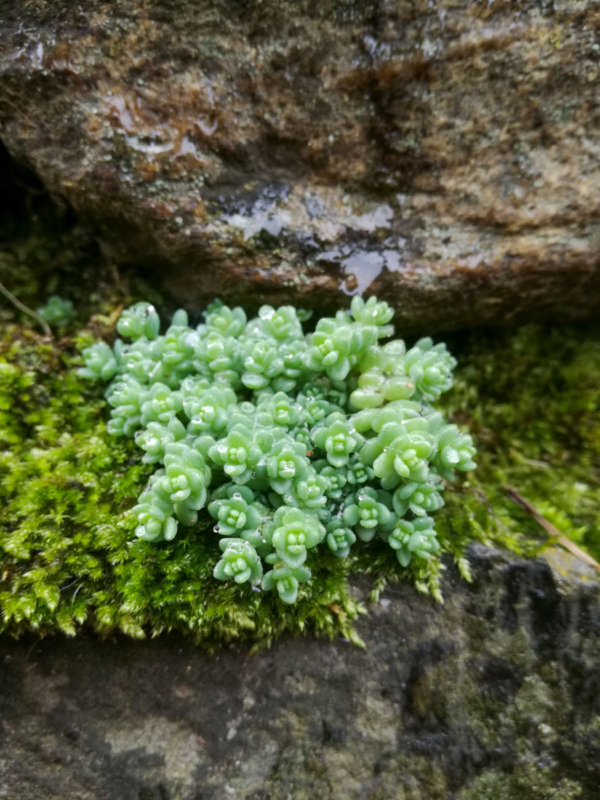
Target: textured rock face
<point>442,154</point>
<point>494,696</point>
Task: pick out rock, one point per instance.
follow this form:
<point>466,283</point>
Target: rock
<point>494,696</point>
<point>442,155</point>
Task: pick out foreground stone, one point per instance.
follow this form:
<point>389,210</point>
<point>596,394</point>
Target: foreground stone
<point>441,154</point>
<point>494,696</point>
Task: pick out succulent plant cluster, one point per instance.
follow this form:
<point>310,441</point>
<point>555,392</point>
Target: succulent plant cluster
<point>289,440</point>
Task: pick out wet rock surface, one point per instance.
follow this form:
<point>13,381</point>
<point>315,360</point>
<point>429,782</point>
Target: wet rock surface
<point>443,155</point>
<point>494,695</point>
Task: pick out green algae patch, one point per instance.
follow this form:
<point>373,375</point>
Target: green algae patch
<point>68,553</point>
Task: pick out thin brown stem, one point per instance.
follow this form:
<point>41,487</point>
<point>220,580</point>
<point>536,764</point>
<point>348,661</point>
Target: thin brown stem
<point>16,302</point>
<point>551,530</point>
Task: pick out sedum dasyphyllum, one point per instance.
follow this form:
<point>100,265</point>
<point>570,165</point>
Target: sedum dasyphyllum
<point>296,443</point>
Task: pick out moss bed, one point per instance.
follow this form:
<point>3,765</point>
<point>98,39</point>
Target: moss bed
<point>68,556</point>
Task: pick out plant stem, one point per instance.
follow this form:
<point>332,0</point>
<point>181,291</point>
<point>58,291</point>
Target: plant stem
<point>10,296</point>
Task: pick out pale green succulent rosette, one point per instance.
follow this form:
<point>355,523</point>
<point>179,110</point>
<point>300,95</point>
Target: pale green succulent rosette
<point>419,498</point>
<point>416,539</point>
<point>224,320</point>
<point>100,362</point>
<point>237,453</point>
<point>262,362</point>
<point>429,367</point>
<point>336,478</point>
<point>258,542</point>
<point>302,434</point>
<point>155,438</point>
<point>402,450</point>
<point>314,409</point>
<point>455,450</point>
<point>366,513</point>
<point>196,385</point>
<point>185,481</point>
<point>177,350</point>
<point>338,440</point>
<point>154,513</point>
<point>281,324</point>
<point>292,353</point>
<point>340,537</point>
<point>208,410</point>
<point>139,320</point>
<point>235,512</point>
<point>57,311</point>
<point>310,492</point>
<point>126,397</point>
<point>221,356</point>
<point>160,404</point>
<point>285,463</point>
<point>373,313</point>
<point>244,414</point>
<point>335,347</point>
<point>357,473</point>
<point>142,361</point>
<point>155,525</point>
<point>295,532</point>
<point>279,410</point>
<point>239,562</point>
<point>286,580</point>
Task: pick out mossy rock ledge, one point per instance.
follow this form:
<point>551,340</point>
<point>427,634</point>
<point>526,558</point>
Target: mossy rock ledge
<point>493,696</point>
<point>440,153</point>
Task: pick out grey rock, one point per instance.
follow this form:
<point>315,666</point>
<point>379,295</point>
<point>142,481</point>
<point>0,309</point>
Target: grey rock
<point>494,695</point>
<point>441,154</point>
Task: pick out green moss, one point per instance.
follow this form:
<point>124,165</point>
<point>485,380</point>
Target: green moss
<point>531,399</point>
<point>68,555</point>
